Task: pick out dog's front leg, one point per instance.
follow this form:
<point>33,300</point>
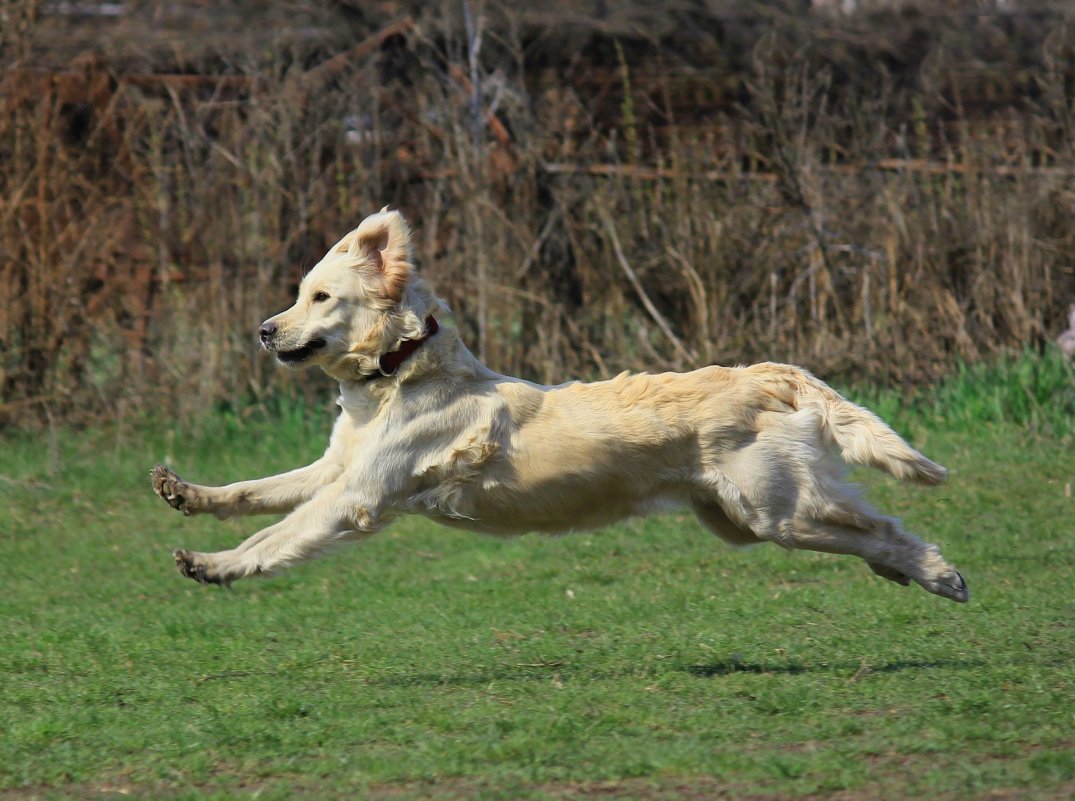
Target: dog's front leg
<point>271,495</point>
<point>331,517</point>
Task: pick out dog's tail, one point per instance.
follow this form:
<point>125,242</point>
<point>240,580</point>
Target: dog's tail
<point>861,436</point>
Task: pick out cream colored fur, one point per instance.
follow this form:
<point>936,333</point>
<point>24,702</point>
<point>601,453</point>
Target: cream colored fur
<point>751,450</point>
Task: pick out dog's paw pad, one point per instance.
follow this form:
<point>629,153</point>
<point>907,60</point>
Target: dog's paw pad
<point>175,491</point>
<point>950,585</point>
<point>960,585</point>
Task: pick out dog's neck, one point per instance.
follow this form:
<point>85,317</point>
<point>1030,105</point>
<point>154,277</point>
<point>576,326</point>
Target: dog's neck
<point>391,361</point>
<point>357,390</point>
<point>438,351</point>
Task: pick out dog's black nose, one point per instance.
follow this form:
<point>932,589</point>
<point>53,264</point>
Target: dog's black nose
<point>267,331</point>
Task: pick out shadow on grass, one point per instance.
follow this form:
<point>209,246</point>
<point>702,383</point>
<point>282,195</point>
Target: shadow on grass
<point>729,666</point>
<point>567,671</point>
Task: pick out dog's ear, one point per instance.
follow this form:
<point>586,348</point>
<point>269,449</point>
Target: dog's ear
<point>382,241</point>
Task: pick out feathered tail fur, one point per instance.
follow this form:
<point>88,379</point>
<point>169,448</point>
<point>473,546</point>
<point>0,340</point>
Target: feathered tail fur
<point>861,436</point>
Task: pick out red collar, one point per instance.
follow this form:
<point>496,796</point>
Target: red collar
<point>390,362</point>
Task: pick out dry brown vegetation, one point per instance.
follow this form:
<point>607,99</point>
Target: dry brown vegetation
<point>632,185</point>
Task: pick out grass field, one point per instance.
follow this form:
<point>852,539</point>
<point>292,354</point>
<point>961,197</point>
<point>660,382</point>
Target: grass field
<point>647,661</point>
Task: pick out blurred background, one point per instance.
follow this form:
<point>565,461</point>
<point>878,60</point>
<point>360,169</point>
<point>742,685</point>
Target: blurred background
<point>879,191</point>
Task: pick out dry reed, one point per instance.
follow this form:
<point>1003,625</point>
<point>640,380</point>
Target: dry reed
<point>652,189</point>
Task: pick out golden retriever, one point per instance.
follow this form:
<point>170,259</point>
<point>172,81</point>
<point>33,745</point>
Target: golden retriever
<point>427,429</point>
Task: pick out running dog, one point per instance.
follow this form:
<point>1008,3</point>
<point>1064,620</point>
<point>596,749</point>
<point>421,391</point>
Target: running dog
<point>427,429</point>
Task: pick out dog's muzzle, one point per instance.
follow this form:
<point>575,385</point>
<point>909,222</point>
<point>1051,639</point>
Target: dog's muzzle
<point>267,334</point>
<point>299,355</point>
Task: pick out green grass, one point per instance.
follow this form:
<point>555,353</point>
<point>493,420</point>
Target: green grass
<point>1034,391</point>
<point>646,661</point>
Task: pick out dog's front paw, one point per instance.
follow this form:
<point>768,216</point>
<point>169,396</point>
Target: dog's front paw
<point>198,566</point>
<point>175,491</point>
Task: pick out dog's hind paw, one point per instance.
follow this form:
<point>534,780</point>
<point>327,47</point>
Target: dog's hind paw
<point>176,492</point>
<point>950,584</point>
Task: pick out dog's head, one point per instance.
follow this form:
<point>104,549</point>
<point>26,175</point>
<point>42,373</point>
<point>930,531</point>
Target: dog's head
<point>359,302</point>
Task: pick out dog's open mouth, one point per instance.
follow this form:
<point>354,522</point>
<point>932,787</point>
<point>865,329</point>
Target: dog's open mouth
<point>299,355</point>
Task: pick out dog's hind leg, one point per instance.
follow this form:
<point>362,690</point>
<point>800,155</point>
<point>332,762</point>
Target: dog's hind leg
<point>890,551</point>
<point>328,519</point>
<point>713,517</point>
<point>886,572</point>
<point>787,489</point>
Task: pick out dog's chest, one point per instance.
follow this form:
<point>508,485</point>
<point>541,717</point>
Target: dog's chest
<point>419,454</point>
<point>358,403</point>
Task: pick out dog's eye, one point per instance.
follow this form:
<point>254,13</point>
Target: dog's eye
<point>321,297</point>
